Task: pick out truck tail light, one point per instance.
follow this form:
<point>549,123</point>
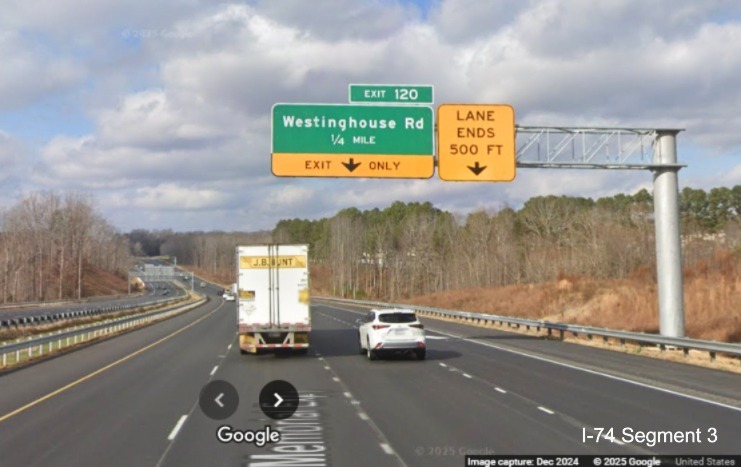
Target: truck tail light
<point>381,326</point>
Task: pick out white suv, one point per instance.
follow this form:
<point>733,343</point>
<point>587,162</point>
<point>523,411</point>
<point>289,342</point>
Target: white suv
<point>394,330</point>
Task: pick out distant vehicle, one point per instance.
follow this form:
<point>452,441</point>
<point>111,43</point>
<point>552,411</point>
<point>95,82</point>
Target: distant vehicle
<point>229,297</point>
<point>273,298</point>
<point>391,331</point>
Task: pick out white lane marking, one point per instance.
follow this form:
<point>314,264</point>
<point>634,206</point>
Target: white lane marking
<point>443,365</point>
<point>467,375</point>
<point>548,411</point>
<point>214,370</point>
<point>442,338</point>
<point>335,379</point>
<point>178,425</point>
<point>230,347</point>
<point>321,358</point>
<point>593,372</point>
<point>363,416</point>
<point>348,395</point>
<point>500,390</point>
<point>327,367</point>
<point>386,448</point>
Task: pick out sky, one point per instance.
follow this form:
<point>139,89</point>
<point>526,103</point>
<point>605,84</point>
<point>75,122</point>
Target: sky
<point>162,110</point>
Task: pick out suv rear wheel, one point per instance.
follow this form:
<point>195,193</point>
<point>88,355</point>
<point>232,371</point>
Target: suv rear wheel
<point>421,354</point>
<point>361,350</point>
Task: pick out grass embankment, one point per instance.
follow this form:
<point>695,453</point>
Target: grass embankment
<point>712,294</point>
<point>711,299</point>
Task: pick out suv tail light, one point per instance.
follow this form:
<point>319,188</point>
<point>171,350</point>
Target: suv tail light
<point>419,326</point>
<point>380,326</point>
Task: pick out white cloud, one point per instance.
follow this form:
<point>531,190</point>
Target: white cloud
<point>175,197</point>
<point>191,132</point>
<point>30,72</point>
<point>11,155</point>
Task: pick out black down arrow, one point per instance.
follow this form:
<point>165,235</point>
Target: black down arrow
<point>476,169</point>
<point>351,165</point>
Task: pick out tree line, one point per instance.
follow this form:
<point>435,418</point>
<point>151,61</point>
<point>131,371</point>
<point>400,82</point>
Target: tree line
<point>409,249</point>
<point>49,242</point>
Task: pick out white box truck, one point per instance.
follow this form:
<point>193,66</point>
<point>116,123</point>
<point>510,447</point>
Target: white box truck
<point>273,298</point>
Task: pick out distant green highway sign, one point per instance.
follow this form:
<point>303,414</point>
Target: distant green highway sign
<point>386,93</point>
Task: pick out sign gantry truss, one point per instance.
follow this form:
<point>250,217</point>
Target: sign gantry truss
<point>591,148</point>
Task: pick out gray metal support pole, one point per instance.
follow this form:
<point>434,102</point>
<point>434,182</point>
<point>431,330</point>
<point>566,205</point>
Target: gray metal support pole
<point>668,240</point>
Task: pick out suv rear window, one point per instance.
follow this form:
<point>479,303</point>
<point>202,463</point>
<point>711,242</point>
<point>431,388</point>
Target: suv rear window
<point>397,317</point>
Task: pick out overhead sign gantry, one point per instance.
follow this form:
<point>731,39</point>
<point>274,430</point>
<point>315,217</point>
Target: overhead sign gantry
<point>372,139</point>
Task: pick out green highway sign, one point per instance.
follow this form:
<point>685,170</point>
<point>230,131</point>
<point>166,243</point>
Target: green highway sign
<point>325,140</point>
<point>391,93</point>
<point>352,129</point>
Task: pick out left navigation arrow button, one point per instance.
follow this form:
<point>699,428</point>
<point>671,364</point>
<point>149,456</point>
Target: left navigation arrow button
<point>218,400</point>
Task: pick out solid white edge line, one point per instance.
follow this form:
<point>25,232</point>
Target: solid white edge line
<point>500,390</point>
<point>548,411</point>
<point>175,430</point>
<point>214,370</point>
<point>594,372</point>
<point>387,449</point>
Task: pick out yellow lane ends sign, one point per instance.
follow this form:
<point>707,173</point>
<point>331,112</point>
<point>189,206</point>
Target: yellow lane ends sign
<point>476,142</point>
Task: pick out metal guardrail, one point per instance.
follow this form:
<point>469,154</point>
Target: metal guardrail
<point>16,352</point>
<point>47,318</point>
<point>642,338</point>
<point>66,301</point>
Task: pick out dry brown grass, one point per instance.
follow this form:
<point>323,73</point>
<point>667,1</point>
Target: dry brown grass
<point>712,298</point>
<point>98,282</point>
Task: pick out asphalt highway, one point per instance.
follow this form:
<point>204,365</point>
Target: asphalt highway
<point>133,400</point>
